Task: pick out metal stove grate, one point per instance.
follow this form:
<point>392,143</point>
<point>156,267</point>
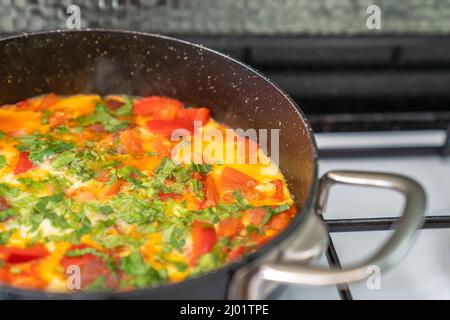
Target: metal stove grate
<point>397,151</point>
<point>378,224</point>
<point>370,224</point>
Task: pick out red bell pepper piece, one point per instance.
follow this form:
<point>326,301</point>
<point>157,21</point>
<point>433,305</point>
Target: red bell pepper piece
<point>104,176</point>
<point>259,239</point>
<point>203,239</point>
<point>115,188</point>
<point>194,114</point>
<point>256,216</point>
<point>236,253</point>
<point>279,192</point>
<point>279,221</point>
<point>19,255</point>
<point>164,196</point>
<point>91,268</point>
<point>229,227</point>
<point>27,278</point>
<point>48,101</point>
<point>23,104</point>
<point>23,164</point>
<point>3,204</point>
<point>5,275</point>
<point>234,179</point>
<point>212,196</point>
<point>67,261</point>
<point>56,119</point>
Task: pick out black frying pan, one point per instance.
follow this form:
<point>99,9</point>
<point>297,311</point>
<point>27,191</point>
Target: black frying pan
<point>116,62</point>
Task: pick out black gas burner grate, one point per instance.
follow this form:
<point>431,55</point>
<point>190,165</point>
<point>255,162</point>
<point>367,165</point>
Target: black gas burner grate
<point>370,224</point>
<point>397,151</point>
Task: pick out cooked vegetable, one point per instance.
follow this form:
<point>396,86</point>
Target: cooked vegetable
<point>24,163</point>
<point>158,107</point>
<point>89,184</point>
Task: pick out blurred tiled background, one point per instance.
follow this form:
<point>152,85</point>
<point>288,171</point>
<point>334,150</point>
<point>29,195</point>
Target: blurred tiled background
<point>231,17</point>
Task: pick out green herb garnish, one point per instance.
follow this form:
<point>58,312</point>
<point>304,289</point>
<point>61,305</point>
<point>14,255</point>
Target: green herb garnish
<point>270,212</point>
<point>41,147</point>
<point>141,274</point>
<point>3,161</point>
<point>103,117</point>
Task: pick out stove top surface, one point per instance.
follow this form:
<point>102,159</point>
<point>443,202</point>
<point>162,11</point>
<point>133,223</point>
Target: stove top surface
<point>424,273</point>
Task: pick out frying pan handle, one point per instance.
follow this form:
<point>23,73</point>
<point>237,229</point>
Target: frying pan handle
<point>392,251</point>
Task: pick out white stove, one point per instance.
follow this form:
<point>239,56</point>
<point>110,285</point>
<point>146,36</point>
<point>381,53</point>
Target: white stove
<point>425,272</point>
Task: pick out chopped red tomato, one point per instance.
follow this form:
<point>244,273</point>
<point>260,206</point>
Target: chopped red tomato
<point>203,239</point>
<point>158,107</point>
<point>56,119</point>
<point>161,146</point>
<point>279,221</point>
<point>23,164</point>
<point>3,204</point>
<point>236,253</point>
<point>279,192</point>
<point>234,179</point>
<point>166,127</point>
<point>91,267</point>
<point>251,150</point>
<point>256,216</point>
<point>27,279</point>
<point>4,275</point>
<point>96,128</point>
<point>258,238</point>
<point>164,196</point>
<point>194,114</point>
<point>132,141</point>
<point>23,104</point>
<point>292,211</point>
<point>66,261</point>
<point>115,188</point>
<point>48,101</point>
<point>104,176</point>
<point>229,227</point>
<point>212,195</point>
<point>19,255</point>
<point>197,176</point>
